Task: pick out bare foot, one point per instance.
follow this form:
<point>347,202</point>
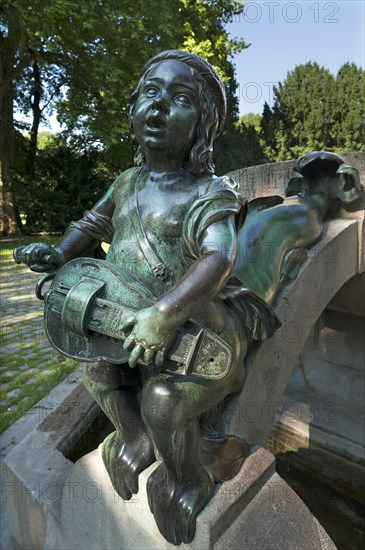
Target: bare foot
<point>125,460</point>
<point>176,504</point>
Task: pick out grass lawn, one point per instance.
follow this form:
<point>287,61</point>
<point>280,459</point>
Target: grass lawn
<point>30,367</point>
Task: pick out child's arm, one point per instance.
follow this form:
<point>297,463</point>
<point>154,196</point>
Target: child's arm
<point>42,257</point>
<point>154,327</point>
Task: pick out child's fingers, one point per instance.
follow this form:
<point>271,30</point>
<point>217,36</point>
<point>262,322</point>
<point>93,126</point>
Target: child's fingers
<point>18,254</point>
<point>128,343</point>
<point>148,356</point>
<point>127,324</point>
<point>135,355</point>
<point>160,358</point>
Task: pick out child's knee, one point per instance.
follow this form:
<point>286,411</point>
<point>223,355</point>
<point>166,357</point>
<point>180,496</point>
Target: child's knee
<point>162,405</point>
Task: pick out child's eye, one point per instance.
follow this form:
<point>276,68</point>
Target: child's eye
<point>183,100</point>
<point>150,91</point>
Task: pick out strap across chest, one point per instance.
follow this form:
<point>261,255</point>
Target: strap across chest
<point>155,263</point>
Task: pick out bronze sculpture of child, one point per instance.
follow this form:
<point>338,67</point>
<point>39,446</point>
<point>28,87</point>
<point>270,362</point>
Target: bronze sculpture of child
<point>173,228</point>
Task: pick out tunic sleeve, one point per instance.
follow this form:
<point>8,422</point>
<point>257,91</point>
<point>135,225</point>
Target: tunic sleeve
<point>221,199</point>
<point>94,225</point>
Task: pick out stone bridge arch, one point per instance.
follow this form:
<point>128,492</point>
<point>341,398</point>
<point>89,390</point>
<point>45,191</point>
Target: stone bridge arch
<point>305,397</point>
<point>331,262</point>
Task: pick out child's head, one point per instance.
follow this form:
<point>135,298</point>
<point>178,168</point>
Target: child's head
<point>212,106</point>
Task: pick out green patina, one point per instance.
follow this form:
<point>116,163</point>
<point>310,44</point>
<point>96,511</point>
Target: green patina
<point>179,239</point>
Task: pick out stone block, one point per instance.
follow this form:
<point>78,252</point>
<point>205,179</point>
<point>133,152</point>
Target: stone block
<point>254,510</point>
<point>55,504</point>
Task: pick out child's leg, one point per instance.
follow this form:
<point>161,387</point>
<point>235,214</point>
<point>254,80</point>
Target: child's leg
<point>128,450</point>
<point>180,487</point>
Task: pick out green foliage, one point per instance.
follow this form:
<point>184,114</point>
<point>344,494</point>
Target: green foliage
<point>314,110</point>
<point>251,142</point>
<point>90,55</point>
<point>249,128</point>
<point>29,365</point>
<point>131,35</point>
<point>349,130</point>
<point>251,119</point>
<point>32,384</point>
<point>45,139</point>
<point>228,151</point>
<point>66,181</point>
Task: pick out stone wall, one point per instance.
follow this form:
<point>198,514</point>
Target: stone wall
<point>319,426</point>
<point>271,179</point>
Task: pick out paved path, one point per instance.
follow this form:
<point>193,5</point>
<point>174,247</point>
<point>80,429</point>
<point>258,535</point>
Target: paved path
<point>27,359</point>
<point>27,362</point>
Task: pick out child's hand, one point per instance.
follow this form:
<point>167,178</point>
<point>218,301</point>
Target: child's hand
<point>150,338</point>
<point>40,257</point>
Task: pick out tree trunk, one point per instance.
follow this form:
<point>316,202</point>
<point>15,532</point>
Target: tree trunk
<point>8,216</point>
<point>35,104</point>
<point>32,150</point>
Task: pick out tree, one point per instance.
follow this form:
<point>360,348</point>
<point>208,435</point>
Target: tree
<point>251,143</point>
<point>21,52</point>
<point>84,59</point>
<point>228,152</point>
<point>349,130</point>
<point>269,127</point>
<point>196,26</point>
<point>251,119</point>
<point>9,70</point>
<point>303,109</point>
<point>66,182</point>
<point>314,110</point>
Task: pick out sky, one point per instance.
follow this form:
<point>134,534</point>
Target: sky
<point>284,34</point>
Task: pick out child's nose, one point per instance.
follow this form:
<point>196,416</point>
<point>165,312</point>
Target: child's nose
<point>161,102</point>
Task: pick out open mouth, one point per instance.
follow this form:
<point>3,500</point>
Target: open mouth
<point>156,121</point>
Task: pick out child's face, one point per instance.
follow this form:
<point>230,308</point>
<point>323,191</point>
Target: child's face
<point>167,110</point>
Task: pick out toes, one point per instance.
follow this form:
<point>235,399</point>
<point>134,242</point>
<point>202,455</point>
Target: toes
<point>178,538</point>
<point>122,490</point>
<point>125,461</point>
<point>189,529</point>
<point>116,476</point>
<point>131,479</point>
<point>175,507</point>
<point>170,531</point>
<point>155,486</point>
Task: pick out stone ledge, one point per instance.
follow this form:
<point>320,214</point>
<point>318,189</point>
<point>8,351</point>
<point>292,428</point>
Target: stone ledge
<point>254,507</point>
<point>34,466</point>
<point>58,505</point>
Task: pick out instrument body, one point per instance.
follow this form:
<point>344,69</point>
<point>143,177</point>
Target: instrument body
<point>89,299</point>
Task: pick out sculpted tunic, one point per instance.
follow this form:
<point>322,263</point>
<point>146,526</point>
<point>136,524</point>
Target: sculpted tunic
<point>174,218</point>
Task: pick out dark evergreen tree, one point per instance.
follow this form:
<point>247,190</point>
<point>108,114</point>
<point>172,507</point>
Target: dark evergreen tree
<point>349,129</point>
<point>313,110</point>
<point>252,145</point>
